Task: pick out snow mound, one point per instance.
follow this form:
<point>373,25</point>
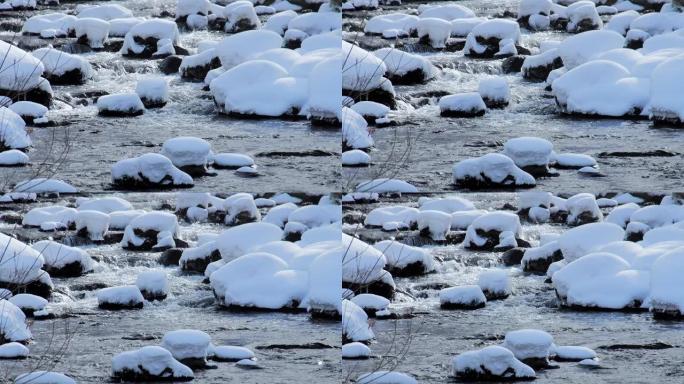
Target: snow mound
<point>150,170</point>
<point>123,297</point>
<point>462,297</point>
<point>491,170</point>
<point>490,363</point>
<point>149,363</point>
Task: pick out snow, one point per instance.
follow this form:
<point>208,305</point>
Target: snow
<point>13,350</point>
<point>20,263</point>
<point>278,215</point>
<point>491,169</point>
<point>448,204</point>
<point>58,255</point>
<point>120,27</point>
<point>362,264</point>
<point>534,7</point>
<point>187,344</point>
<point>575,353</point>
<point>392,21</point>
<point>666,294</point>
<point>240,15</point>
<point>153,282</point>
<point>192,7</point>
<point>232,353</point>
<point>497,221</point>
<point>164,223</point>
<point>582,207</point>
<point>400,255</point>
<point>500,30</point>
<point>324,290</point>
<point>259,87</point>
<point>241,47</point>
<point>120,219</point>
<point>468,104</point>
<point>104,12</point>
<point>385,185</point>
<point>495,281</point>
<point>187,151</point>
<point>436,31</point>
<point>529,151</point>
<point>13,326</point>
<point>19,70</point>
<point>153,89</point>
<point>236,241</point>
<point>55,21</point>
<point>586,268</point>
<point>578,49</point>
<point>467,295</point>
<point>260,280</point>
<point>56,213</point>
<point>494,89</point>
<point>27,301</point>
<point>13,157</point>
<point>529,344</point>
<point>355,157</point>
<point>44,377</point>
<point>159,29</point>
<point>43,185</point>
<point>125,295</point>
<point>315,23</point>
<point>378,216</point>
<point>105,204</point>
<point>149,168</point>
<point>493,360</point>
<point>232,160</point>
<point>370,109</point>
<point>355,350</point>
<point>355,325</point>
<point>436,223</point>
<point>94,31</point>
<point>361,70</point>
<point>461,220</point>
<point>12,129</point>
<point>573,160</point>
<point>355,132</point>
<point>581,13</point>
<point>663,102</point>
<point>385,377</point>
<point>152,360</point>
<point>370,301</point>
<point>279,21</point>
<point>601,87</point>
<point>124,103</point>
<point>94,222</point>
<point>621,22</point>
<point>579,241</point>
<point>240,207</point>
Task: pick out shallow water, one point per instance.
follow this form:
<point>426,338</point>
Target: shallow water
<point>96,335</point>
<point>435,143</point>
<point>424,345</point>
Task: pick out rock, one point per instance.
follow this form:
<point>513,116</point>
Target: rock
<point>463,297</point>
<point>513,256</point>
<point>171,257</point>
<point>170,64</point>
<point>512,64</point>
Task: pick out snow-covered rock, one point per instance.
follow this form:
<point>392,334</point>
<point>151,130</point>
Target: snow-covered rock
<point>495,284</point>
<point>404,67</point>
<point>189,154</point>
<point>355,325</point>
<point>44,377</point>
<point>153,285</point>
<point>151,231</point>
<point>153,92</point>
<point>120,105</point>
<point>462,297</point>
<point>149,363</point>
<point>405,260</point>
<point>238,240</point>
<point>122,297</point>
<point>63,261</point>
<point>62,68</point>
<point>491,171</point>
<point>13,327</point>
<point>494,91</point>
<point>20,76</point>
<point>488,231</point>
<point>20,267</point>
<point>91,32</point>
<point>468,104</point>
<point>151,38</point>
<point>150,170</point>
<point>13,350</point>
<point>531,346</point>
<point>490,364</point>
<point>493,38</point>
<point>355,350</point>
<point>232,353</point>
<point>189,346</point>
<point>531,154</point>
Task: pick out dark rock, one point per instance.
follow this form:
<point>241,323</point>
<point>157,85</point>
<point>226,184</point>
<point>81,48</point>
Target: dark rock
<point>513,256</point>
<point>170,64</point>
<point>170,257</point>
